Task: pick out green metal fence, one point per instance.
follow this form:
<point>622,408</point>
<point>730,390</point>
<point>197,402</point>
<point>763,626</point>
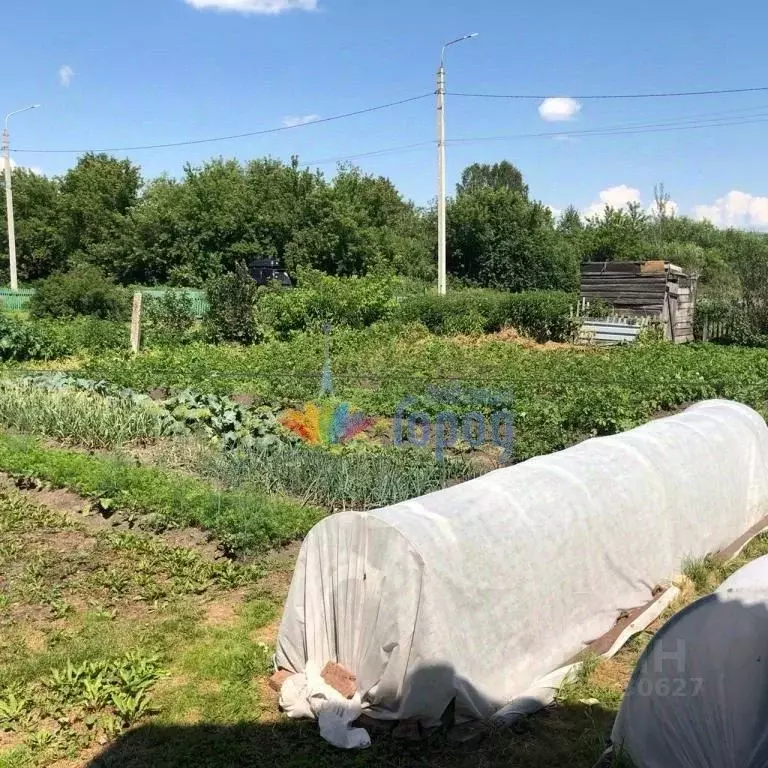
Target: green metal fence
<point>199,301</point>
<point>15,300</point>
<point>19,300</point>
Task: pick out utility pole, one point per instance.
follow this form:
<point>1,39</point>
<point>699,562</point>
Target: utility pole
<point>441,191</point>
<point>9,196</point>
<point>9,208</point>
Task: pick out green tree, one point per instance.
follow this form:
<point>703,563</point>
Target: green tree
<point>499,239</point>
<point>97,198</point>
<point>219,214</point>
<point>232,304</point>
<point>616,234</point>
<point>40,243</point>
<point>383,232</point>
<point>752,268</point>
<point>501,175</point>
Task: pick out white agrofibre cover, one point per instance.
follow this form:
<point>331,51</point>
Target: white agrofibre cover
<point>481,592</point>
<point>699,695</point>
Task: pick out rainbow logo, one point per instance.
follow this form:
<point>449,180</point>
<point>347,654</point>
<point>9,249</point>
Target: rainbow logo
<point>327,424</point>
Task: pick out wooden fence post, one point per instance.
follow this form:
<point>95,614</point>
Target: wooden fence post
<point>136,323</point>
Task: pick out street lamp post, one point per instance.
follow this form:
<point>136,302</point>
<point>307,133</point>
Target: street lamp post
<point>9,195</point>
<point>441,204</point>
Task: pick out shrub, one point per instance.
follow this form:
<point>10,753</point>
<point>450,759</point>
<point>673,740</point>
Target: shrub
<point>232,300</point>
<point>86,334</point>
<point>729,321</point>
<point>81,291</point>
<point>20,341</point>
<point>169,319</point>
<point>545,315</point>
<point>467,311</point>
<point>354,302</point>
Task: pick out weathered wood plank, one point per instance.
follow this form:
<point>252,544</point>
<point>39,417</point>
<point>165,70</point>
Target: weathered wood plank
<point>628,285</point>
<point>613,277</point>
<point>652,290</point>
<point>636,300</point>
<point>626,267</point>
<point>655,295</point>
<point>136,323</point>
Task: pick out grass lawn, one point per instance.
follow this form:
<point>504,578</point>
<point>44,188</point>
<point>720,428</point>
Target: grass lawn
<point>119,649</point>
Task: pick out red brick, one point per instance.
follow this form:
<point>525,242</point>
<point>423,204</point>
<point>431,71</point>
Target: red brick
<point>277,680</point>
<point>339,678</point>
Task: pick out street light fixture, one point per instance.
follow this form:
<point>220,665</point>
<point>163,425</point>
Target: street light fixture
<point>441,192</point>
<point>9,194</point>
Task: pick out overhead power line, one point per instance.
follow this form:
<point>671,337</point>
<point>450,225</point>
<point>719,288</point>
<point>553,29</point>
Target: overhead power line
<point>672,125</point>
<point>248,134</point>
<point>723,118</point>
<point>719,119</point>
<point>611,96</point>
<point>373,153</point>
<point>668,127</point>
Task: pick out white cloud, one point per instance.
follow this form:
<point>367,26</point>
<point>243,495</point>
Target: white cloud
<point>269,7</point>
<point>66,74</point>
<point>556,212</point>
<point>615,197</point>
<point>621,197</point>
<point>291,121</point>
<point>15,166</point>
<point>672,209</point>
<point>559,109</point>
<point>737,209</point>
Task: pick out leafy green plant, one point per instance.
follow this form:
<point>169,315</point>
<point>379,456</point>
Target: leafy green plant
<point>14,705</point>
<point>355,302</point>
<point>98,414</point>
<point>121,685</point>
<point>130,707</point>
<point>21,340</point>
<point>41,740</point>
<point>169,319</point>
<point>84,290</point>
<point>544,315</point>
<point>242,521</point>
<point>95,692</point>
<point>232,300</point>
<point>226,422</point>
<point>85,335</point>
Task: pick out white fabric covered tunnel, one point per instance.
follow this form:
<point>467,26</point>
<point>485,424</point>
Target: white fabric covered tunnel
<point>699,694</point>
<point>481,592</point>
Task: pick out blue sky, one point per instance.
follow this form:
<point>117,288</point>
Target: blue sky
<point>134,72</point>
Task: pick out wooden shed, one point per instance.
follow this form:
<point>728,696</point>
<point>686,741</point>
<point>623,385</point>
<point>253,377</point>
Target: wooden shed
<point>653,289</point>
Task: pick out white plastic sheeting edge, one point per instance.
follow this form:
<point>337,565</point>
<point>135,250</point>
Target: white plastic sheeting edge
<point>543,692</point>
<point>697,695</point>
<point>478,592</point>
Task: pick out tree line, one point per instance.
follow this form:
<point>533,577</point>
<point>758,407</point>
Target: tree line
<point>102,213</point>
